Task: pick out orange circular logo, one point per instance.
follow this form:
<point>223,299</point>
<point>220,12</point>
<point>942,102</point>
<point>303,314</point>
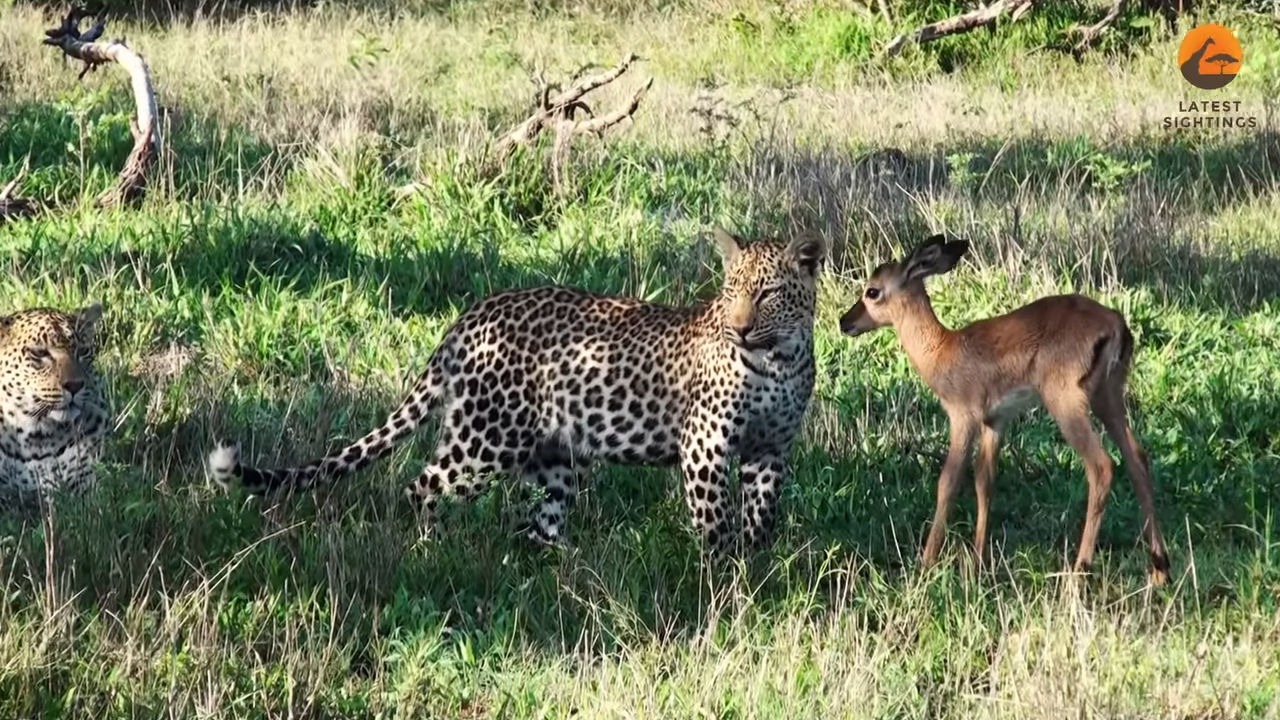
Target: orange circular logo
<point>1210,56</point>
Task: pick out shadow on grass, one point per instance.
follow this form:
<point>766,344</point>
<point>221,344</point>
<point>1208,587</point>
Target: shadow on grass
<point>259,252</point>
<point>157,528</point>
<point>84,143</point>
<point>873,474</point>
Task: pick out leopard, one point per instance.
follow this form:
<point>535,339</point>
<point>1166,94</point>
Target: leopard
<point>538,384</point>
<point>54,416</point>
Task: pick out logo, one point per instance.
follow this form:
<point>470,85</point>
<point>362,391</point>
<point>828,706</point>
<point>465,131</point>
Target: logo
<point>1210,57</point>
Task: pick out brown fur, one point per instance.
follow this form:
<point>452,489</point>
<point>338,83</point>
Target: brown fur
<point>1070,351</point>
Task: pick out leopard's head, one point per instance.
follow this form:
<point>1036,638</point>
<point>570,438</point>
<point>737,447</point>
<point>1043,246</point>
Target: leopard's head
<point>46,363</point>
<point>770,290</point>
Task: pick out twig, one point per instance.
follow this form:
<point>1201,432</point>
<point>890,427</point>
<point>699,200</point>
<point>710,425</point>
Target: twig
<point>598,125</point>
<point>559,112</point>
<point>131,186</point>
<point>15,207</point>
<point>565,105</point>
<point>961,23</point>
<point>1090,35</point>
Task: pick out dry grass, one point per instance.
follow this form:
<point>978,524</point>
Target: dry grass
<point>315,232</point>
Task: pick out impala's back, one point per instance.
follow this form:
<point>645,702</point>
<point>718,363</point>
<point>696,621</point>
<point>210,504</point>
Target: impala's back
<point>1045,346</point>
<point>1001,363</point>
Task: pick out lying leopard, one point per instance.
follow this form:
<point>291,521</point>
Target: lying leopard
<point>542,382</point>
<point>53,416</point>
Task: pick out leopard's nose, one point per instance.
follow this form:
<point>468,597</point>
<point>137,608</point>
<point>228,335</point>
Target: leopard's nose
<point>73,386</point>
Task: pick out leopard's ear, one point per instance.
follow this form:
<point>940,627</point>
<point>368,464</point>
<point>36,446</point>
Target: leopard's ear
<point>730,245</point>
<point>808,251</point>
<point>6,322</point>
<point>87,320</point>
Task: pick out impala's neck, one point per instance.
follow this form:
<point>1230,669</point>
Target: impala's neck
<point>921,334</point>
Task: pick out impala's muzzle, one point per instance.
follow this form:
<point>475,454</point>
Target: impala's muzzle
<point>856,321</point>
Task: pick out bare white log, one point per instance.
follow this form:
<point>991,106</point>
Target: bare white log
<point>987,14</point>
<point>961,23</point>
<point>87,48</point>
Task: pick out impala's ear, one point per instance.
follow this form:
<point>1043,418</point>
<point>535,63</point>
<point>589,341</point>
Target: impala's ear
<point>934,257</point>
<point>730,246</point>
<point>808,252</point>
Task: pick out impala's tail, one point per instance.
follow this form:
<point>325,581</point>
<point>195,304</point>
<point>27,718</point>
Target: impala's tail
<point>1112,353</point>
<point>225,467</point>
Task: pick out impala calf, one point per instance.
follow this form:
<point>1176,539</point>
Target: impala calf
<point>1068,350</point>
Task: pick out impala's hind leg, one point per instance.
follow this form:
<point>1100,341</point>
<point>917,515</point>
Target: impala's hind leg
<point>984,471</point>
<point>1108,405</point>
<point>1070,408</point>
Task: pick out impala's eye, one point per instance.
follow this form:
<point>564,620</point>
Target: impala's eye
<point>872,293</point>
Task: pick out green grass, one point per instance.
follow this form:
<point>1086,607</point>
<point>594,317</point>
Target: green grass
<point>317,228</point>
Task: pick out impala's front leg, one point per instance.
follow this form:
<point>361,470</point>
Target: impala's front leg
<point>963,429</point>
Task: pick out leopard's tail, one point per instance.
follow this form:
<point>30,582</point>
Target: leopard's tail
<point>225,467</point>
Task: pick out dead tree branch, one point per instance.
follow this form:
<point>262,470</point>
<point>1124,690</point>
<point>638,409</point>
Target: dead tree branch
<point>1090,35</point>
<point>15,207</point>
<point>559,112</point>
<point>86,47</point>
<point>961,23</point>
<point>988,14</point>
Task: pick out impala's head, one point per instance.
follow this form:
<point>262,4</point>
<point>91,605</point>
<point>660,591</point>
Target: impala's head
<point>770,289</point>
<point>886,295</point>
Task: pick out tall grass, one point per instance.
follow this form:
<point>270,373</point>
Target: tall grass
<point>317,226</point>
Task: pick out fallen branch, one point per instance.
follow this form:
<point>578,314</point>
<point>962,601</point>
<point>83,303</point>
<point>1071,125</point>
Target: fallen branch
<point>560,113</point>
<point>1090,35</point>
<point>961,23</point>
<point>85,47</point>
<point>14,207</point>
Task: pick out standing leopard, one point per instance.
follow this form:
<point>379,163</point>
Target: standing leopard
<point>53,416</point>
<point>542,382</point>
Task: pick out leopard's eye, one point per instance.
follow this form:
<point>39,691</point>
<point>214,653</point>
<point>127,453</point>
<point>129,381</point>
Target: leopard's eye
<point>764,293</point>
<point>38,356</point>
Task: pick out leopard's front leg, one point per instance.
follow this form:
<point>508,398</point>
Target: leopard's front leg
<point>705,445</point>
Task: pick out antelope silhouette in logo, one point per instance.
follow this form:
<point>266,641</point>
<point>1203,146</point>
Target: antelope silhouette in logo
<point>1069,351</point>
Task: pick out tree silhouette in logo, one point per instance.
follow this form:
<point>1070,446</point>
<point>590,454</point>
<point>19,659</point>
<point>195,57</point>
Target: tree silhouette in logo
<point>1227,52</point>
<point>1222,60</point>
